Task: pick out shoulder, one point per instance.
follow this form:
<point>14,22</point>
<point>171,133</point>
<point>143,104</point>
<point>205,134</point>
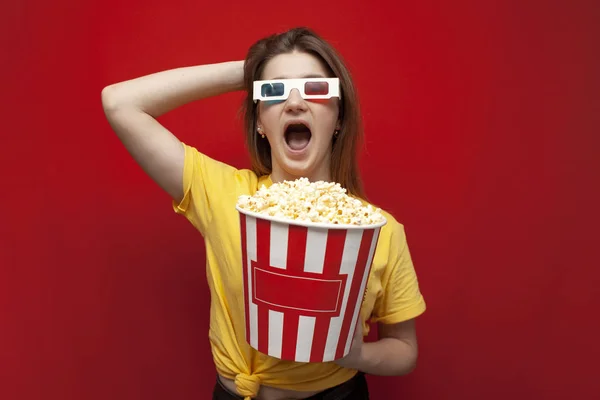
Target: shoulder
<point>392,238</point>
<point>393,229</point>
<point>218,173</point>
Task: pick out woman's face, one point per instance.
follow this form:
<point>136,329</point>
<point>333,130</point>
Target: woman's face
<point>299,131</point>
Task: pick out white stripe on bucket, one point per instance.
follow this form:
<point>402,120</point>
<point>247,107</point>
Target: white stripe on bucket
<point>279,245</point>
<point>253,309</point>
<point>275,333</point>
<point>306,329</point>
<point>316,243</point>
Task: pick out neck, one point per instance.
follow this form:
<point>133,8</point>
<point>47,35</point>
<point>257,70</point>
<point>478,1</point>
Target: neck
<point>319,174</point>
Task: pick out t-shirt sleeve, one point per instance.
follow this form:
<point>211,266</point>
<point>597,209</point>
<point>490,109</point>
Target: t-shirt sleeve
<point>206,182</point>
<point>401,299</point>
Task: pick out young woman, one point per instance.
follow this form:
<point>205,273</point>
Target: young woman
<point>289,135</point>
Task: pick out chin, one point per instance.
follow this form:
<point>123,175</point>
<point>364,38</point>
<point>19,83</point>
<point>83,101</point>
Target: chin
<point>310,166</point>
<point>298,169</point>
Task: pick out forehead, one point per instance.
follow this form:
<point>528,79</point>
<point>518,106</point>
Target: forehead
<point>294,65</point>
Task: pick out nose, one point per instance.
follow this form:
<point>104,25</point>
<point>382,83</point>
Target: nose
<point>295,102</point>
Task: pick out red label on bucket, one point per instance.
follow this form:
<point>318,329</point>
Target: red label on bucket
<point>304,293</point>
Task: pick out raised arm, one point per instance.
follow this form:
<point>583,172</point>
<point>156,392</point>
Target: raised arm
<point>132,107</point>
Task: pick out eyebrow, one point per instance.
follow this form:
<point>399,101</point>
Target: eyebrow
<point>302,77</point>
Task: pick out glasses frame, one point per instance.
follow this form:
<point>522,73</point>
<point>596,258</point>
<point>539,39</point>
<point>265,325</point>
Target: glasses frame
<point>290,84</point>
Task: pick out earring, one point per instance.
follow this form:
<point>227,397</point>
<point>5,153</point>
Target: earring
<point>260,132</point>
<point>336,132</point>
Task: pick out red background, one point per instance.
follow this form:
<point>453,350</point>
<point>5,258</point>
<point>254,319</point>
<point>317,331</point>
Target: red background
<point>482,124</point>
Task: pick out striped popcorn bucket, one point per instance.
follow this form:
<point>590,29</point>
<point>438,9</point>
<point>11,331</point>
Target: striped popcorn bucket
<point>303,285</point>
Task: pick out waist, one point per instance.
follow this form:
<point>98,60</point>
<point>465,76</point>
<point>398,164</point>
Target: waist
<point>236,361</point>
<point>225,389</point>
<point>265,392</point>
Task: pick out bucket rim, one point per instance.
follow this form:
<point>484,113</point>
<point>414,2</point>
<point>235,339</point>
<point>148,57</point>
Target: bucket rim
<point>309,224</point>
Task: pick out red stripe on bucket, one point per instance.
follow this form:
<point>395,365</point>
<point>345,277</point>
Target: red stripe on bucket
<point>331,269</point>
<point>363,257</point>
<point>245,271</point>
<point>296,252</point>
<point>263,255</point>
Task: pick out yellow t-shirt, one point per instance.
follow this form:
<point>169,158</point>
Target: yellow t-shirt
<point>211,190</point>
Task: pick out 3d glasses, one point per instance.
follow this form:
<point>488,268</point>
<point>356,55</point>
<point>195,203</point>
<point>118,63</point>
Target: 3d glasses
<point>309,88</point>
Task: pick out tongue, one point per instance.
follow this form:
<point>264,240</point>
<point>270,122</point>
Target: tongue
<point>298,140</point>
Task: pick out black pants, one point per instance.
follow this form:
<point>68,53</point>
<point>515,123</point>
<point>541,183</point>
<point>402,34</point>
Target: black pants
<point>353,389</point>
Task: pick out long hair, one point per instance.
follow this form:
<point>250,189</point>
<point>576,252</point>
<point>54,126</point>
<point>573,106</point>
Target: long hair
<point>344,157</point>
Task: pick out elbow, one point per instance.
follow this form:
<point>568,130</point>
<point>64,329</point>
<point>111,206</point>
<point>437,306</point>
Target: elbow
<point>410,367</point>
<point>411,363</point>
<point>109,97</point>
<point>116,97</point>
<point>407,365</point>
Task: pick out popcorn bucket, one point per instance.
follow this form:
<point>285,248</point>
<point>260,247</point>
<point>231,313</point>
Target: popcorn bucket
<point>303,285</point>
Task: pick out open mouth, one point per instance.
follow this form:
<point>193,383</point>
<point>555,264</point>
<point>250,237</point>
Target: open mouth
<point>297,136</point>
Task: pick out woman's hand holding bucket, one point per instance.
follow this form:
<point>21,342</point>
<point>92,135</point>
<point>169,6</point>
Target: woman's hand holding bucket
<point>354,358</point>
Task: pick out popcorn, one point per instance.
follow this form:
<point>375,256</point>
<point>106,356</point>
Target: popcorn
<point>305,201</point>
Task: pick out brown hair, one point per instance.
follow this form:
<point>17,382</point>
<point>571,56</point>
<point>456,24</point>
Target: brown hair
<point>344,160</point>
